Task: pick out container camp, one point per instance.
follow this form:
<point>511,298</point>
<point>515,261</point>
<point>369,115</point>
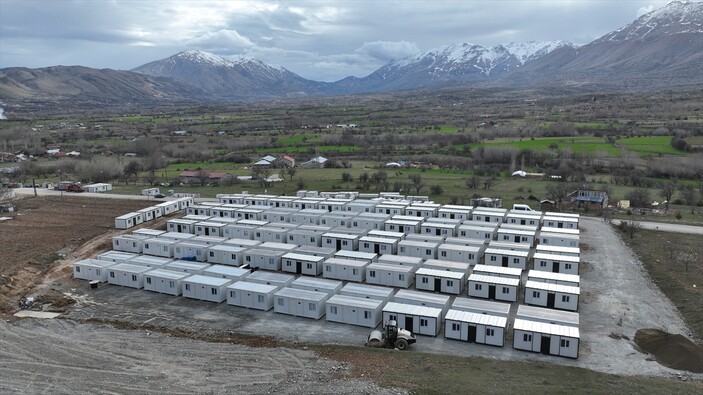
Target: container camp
<point>128,243</point>
<point>424,210</point>
<point>304,237</point>
<point>518,217</point>
<point>309,265</point>
<point>493,287</point>
<point>557,239</point>
<point>260,258</point>
<point>385,234</point>
<point>509,235</point>
<point>419,249</point>
<point>186,266</point>
<point>244,243</point>
<point>554,278</point>
<point>566,264</point>
<point>180,225</point>
<point>211,289</point>
<point>91,269</point>
<point>127,275</point>
<point>373,221</point>
<point>198,210</point>
<point>271,278</point>
<point>159,247</point>
<point>300,302</point>
<point>498,271</point>
<point>553,296</point>
<point>229,272</point>
<point>154,262</point>
<point>271,233</point>
<point>390,209</point>
<point>555,250</point>
<point>225,254</point>
<point>97,188</point>
<point>316,251</point>
<point>209,228</point>
<point>482,306</point>
<point>365,291</point>
<point>165,281</point>
<point>354,310</point>
<point>148,232</point>
<point>394,225</point>
<point>470,255</point>
<point>356,255</point>
<point>439,229</point>
<point>401,260</point>
<point>477,231</point>
<point>458,212</point>
<point>344,269</point>
<point>553,339</point>
<point>188,250</point>
<point>443,281</point>
<point>518,259</point>
<point>128,220</point>
<point>475,328</point>
<point>251,295</point>
<point>308,216</point>
<point>390,275</point>
<point>426,299</point>
<point>560,222</point>
<point>317,284</point>
<point>439,264</point>
<point>488,215</point>
<point>116,256</point>
<point>175,236</point>
<point>168,207</point>
<point>337,220</point>
<point>340,241</point>
<point>378,245</point>
<point>425,238</point>
<point>419,320</point>
<point>549,316</point>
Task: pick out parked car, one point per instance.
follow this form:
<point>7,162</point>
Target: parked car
<point>159,196</point>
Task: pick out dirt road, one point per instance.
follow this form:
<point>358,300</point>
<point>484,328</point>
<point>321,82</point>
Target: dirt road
<point>664,227</point>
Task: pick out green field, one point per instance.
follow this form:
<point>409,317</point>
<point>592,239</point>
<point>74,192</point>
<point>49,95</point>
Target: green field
<point>650,145</point>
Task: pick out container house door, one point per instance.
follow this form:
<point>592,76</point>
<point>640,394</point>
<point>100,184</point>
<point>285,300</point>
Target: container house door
<point>438,284</point>
<point>298,267</point>
<point>550,300</point>
<point>472,334</point>
<point>491,292</point>
<point>409,323</point>
<point>555,267</point>
<point>504,263</point>
<point>544,346</point>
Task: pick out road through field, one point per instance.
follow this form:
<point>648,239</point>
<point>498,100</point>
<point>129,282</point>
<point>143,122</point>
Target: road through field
<point>666,227</point>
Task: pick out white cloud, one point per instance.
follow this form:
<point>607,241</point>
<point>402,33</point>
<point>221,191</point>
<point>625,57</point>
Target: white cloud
<point>226,41</point>
<point>645,10</point>
<point>387,50</point>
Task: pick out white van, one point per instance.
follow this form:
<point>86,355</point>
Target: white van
<point>522,207</point>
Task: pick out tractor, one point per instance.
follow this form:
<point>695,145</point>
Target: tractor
<point>391,336</point>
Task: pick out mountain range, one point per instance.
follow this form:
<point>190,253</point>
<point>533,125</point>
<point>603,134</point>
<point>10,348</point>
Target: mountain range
<point>663,48</point>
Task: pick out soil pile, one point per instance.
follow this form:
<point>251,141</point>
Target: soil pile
<point>674,351</point>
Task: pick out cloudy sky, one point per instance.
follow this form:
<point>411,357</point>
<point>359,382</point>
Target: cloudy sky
<point>320,40</point>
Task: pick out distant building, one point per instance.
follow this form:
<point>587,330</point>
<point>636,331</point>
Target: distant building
<point>285,161</point>
<point>196,177</point>
<point>317,162</point>
<point>487,202</point>
<point>589,198</point>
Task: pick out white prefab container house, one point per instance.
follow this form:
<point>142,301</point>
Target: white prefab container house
<point>271,234</point>
<point>307,217</point>
<point>148,232</point>
<point>356,255</point>
<point>457,212</point>
<point>510,235</point>
<point>553,296</point>
<point>128,243</point>
<point>229,272</point>
<point>482,306</point>
<point>338,220</point>
<point>395,225</point>
<point>439,229</point>
<point>354,310</point>
<point>385,234</point>
<point>549,316</point>
<point>209,240</point>
<point>169,207</point>
<point>390,209</point>
<point>401,260</point>
<point>551,221</point>
<point>273,246</point>
<point>317,284</point>
<point>546,338</point>
<point>91,269</point>
<point>225,254</point>
<point>390,275</point>
<point>249,213</point>
<point>223,212</point>
<point>344,269</point>
<point>340,241</point>
<point>300,302</point>
<point>370,221</point>
<point>305,238</point>
<point>555,250</point>
<point>426,299</point>
<point>524,218</point>
<point>378,245</point>
<point>500,257</point>
<point>154,262</point>
<point>240,231</point>
<point>150,213</point>
<point>558,239</point>
<point>477,231</point>
<point>175,236</point>
<point>470,255</point>
<point>186,266</point>
<point>191,251</point>
<point>116,256</point>
<point>211,289</point>
<point>164,281</point>
<point>251,295</point>
<point>439,281</point>
<point>492,287</point>
<point>498,271</point>
<point>198,210</point>
<point>316,251</point>
<point>488,215</point>
<point>180,225</point>
<point>451,266</point>
<point>475,328</point>
<point>572,280</point>
<point>419,320</point>
<point>209,228</point>
<point>197,218</point>
<point>128,220</point>
<point>566,264</point>
<point>150,191</point>
<point>185,202</point>
<point>244,243</point>
<point>310,265</point>
<point>127,275</point>
<point>271,278</point>
<point>425,238</point>
<point>384,294</point>
<point>159,247</point>
<point>424,210</point>
<point>419,249</point>
<point>259,258</point>
<point>277,215</point>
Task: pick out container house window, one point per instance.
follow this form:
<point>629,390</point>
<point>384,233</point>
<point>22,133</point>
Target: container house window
<point>565,343</point>
<point>401,277</point>
<point>455,326</point>
<point>328,268</point>
<point>134,277</point>
<point>213,291</point>
<point>542,263</point>
<point>333,309</point>
<point>443,254</point>
<point>425,280</point>
<point>367,315</point>
<point>280,301</point>
<point>535,294</point>
<point>565,298</point>
<point>493,258</point>
<point>450,283</point>
<point>312,306</point>
<point>187,286</point>
<point>78,269</point>
<point>490,332</point>
<point>355,272</point>
<point>372,273</point>
<point>171,284</point>
<point>567,266</point>
<point>232,294</point>
<point>428,252</point>
<point>423,322</point>
<point>478,286</point>
<point>309,265</point>
<point>526,338</point>
<point>260,298</point>
<point>148,280</point>
<point>506,290</point>
<point>112,274</point>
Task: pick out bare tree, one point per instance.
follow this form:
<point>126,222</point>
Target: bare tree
<point>667,191</point>
<point>417,183</point>
<point>638,197</point>
<point>558,192</point>
<point>472,182</point>
<point>131,171</point>
<point>630,227</point>
<point>203,177</point>
<point>290,171</point>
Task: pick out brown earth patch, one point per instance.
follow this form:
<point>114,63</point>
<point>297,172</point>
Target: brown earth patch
<point>674,351</point>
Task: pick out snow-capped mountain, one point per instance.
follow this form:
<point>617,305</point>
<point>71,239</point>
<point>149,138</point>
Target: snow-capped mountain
<point>229,77</point>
